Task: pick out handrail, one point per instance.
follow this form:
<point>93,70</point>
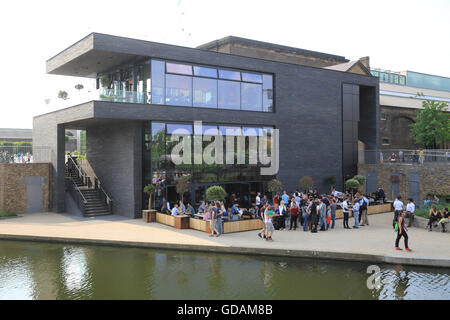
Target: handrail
<point>78,189</point>
<point>96,181</point>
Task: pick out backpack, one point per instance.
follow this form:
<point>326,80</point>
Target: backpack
<point>363,205</point>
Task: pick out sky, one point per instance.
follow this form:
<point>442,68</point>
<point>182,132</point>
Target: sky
<point>397,35</point>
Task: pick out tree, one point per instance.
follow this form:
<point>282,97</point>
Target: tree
<point>361,179</point>
<point>105,82</point>
<point>63,94</point>
<point>215,193</point>
<point>182,187</point>
<point>79,87</point>
<point>150,190</point>
<point>352,185</point>
<point>306,183</point>
<point>274,186</point>
<point>432,124</point>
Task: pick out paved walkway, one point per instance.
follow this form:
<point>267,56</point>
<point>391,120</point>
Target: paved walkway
<point>374,243</point>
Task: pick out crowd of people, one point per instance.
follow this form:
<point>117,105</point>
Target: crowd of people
<point>6,157</point>
<point>307,210</point>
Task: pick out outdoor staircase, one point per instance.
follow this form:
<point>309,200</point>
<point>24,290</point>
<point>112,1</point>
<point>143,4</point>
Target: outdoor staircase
<point>86,191</point>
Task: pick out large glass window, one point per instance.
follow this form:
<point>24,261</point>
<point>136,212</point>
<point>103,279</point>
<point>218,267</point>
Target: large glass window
<point>205,92</point>
<point>178,84</point>
<point>178,90</point>
<point>229,95</point>
<point>251,96</point>
<point>230,75</point>
<point>158,87</point>
<point>158,146</point>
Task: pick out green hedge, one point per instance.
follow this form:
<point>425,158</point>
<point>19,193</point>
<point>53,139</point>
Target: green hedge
<point>15,144</point>
<point>7,214</point>
<point>424,211</point>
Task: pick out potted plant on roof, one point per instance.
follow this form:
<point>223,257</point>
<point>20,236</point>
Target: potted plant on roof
<point>150,214</point>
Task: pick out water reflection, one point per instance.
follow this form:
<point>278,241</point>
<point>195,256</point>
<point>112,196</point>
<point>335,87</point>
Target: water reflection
<point>57,271</point>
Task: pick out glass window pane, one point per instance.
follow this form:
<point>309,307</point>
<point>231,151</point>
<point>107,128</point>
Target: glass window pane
<point>206,130</point>
<point>394,78</point>
<point>230,131</point>
<point>384,77</point>
<point>205,72</point>
<point>251,94</point>
<point>230,75</point>
<point>229,95</point>
<point>374,73</point>
<point>267,93</point>
<point>180,129</point>
<point>252,131</point>
<point>178,90</point>
<point>205,92</point>
<point>158,147</point>
<point>251,77</point>
<point>157,82</point>
<point>179,68</point>
<point>402,80</point>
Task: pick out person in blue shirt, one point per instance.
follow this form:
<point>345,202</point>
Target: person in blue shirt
<point>190,210</point>
<point>285,198</point>
<point>175,210</point>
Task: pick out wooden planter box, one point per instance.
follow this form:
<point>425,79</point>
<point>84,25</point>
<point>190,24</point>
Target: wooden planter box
<point>242,225</point>
<point>378,208</point>
<point>149,216</point>
<point>179,222</point>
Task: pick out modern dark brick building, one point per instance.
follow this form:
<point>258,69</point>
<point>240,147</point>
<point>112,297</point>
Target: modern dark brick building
<point>146,90</point>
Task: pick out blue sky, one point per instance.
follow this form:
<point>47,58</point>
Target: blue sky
<point>397,35</point>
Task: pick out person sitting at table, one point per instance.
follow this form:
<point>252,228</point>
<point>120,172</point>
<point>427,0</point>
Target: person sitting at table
<point>175,210</point>
<point>253,211</point>
<point>182,207</point>
<point>202,207</point>
<point>164,208</point>
<point>235,209</point>
<point>190,210</point>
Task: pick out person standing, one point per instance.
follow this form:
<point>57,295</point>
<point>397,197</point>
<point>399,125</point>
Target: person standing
<point>268,216</point>
<point>262,213</point>
<point>294,215</point>
<point>333,207</point>
<point>356,208</point>
<point>258,200</point>
<point>345,209</point>
<point>432,217</point>
<point>421,157</point>
<point>314,216</point>
<point>213,227</point>
<point>219,214</point>
<point>410,208</point>
<point>363,210</point>
<point>322,209</point>
<point>398,206</point>
<point>402,231</point>
<point>305,214</point>
<point>285,197</point>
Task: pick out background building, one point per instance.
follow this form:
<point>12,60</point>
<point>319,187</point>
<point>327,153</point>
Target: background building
<point>399,102</point>
<point>16,135</point>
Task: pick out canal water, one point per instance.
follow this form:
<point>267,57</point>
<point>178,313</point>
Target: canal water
<point>30,270</point>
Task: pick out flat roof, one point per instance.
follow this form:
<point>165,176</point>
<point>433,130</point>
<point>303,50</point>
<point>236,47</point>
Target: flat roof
<point>271,46</point>
<point>97,53</point>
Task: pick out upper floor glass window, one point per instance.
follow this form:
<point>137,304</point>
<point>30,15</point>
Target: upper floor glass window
<point>205,72</point>
<point>251,77</point>
<point>230,75</point>
<point>179,68</point>
<point>179,84</point>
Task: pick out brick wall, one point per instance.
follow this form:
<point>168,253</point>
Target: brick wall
<point>433,179</point>
<point>13,185</point>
